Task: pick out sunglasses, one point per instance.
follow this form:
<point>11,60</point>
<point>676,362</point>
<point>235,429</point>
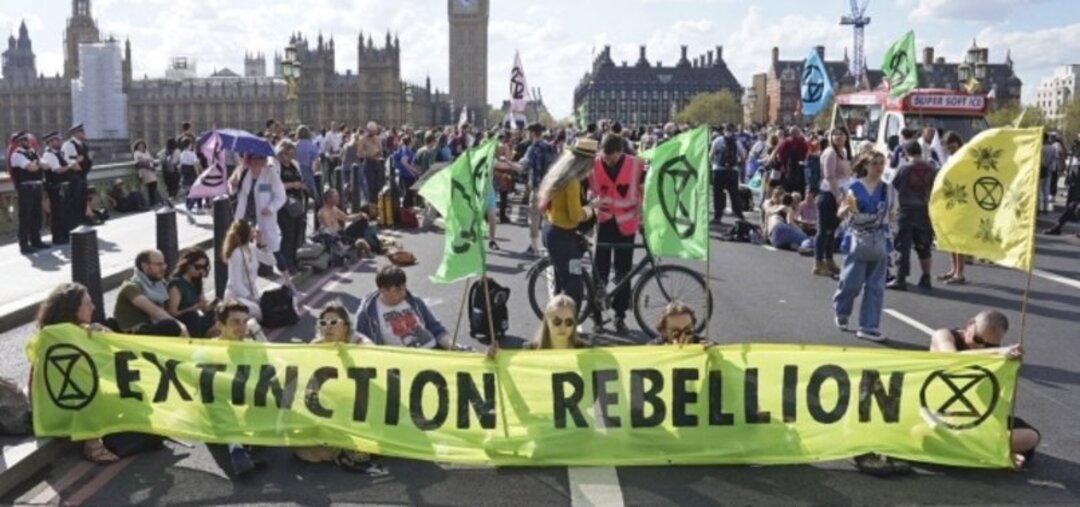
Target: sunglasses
<point>680,333</point>
<point>561,322</point>
<point>981,341</point>
<point>329,322</point>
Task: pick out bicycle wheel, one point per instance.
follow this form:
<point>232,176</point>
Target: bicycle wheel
<point>667,283</point>
<point>542,289</point>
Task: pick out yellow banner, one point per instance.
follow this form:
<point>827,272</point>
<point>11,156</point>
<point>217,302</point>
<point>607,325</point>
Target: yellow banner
<point>984,200</point>
<point>648,405</point>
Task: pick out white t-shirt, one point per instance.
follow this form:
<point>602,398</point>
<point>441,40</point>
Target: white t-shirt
<point>50,161</point>
<point>19,160</point>
<point>70,152</point>
<point>401,326</point>
<point>188,157</point>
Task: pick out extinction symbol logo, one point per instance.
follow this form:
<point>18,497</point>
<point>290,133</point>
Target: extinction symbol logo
<point>963,403</point>
<point>813,84</point>
<point>988,192</point>
<point>677,182</point>
<point>65,391</point>
<point>898,70</point>
<point>517,83</point>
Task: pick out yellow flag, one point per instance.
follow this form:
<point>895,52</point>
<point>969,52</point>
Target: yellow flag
<point>984,200</point>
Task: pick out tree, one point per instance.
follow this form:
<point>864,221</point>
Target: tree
<point>1070,119</point>
<point>1007,114</point>
<point>711,109</point>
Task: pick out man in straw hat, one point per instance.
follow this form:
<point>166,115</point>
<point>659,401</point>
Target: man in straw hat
<point>560,197</point>
<point>26,174</point>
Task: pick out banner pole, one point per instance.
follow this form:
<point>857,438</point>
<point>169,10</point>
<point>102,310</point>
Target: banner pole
<point>461,310</point>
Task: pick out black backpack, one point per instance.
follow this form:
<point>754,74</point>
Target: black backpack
<point>278,308</point>
<point>730,157</point>
<point>478,319</point>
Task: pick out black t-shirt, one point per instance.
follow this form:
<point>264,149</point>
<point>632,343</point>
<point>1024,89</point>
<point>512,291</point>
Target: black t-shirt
<point>291,174</point>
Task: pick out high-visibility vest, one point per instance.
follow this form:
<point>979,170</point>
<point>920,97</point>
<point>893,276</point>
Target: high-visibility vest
<point>625,209</point>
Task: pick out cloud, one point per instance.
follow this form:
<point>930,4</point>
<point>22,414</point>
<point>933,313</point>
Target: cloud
<point>966,10</point>
<point>1036,52</point>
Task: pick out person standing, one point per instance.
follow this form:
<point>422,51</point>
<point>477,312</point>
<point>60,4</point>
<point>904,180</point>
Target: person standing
<point>615,182</point>
<point>835,177</point>
<point>260,194</point>
<point>307,156</point>
<point>75,150</point>
<point>790,157</point>
<point>539,156</point>
<point>58,175</point>
<point>369,148</point>
<point>402,161</point>
<point>560,200</point>
<point>189,170</point>
<point>170,169</point>
<point>866,246</point>
<point>913,182</point>
<point>292,217</point>
<point>727,155</point>
<point>26,172</point>
<point>144,162</point>
<point>955,274</point>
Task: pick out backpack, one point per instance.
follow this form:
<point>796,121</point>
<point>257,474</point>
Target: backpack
<point>743,232</point>
<point>14,409</point>
<point>278,308</point>
<point>407,219</point>
<point>478,318</point>
<point>730,157</point>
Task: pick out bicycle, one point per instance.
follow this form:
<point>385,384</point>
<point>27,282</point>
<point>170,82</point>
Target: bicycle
<point>657,285</point>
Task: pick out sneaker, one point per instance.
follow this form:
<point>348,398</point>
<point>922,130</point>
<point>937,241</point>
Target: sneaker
<point>493,245</point>
<point>842,323</point>
<point>531,252</point>
<point>241,461</point>
<point>924,282</point>
<point>897,284</point>
<point>870,335</point>
<point>620,325</point>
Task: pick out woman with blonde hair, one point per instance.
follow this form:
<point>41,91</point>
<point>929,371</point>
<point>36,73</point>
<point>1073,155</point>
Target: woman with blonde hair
<point>243,252</point>
<point>560,199</point>
<point>558,329</point>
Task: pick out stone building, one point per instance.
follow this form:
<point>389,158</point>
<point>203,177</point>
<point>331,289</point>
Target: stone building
<point>650,93</point>
<point>1058,90</point>
<point>782,98</point>
<point>469,56</point>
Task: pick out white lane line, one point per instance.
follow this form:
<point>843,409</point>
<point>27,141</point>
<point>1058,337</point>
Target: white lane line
<point>594,486</point>
<point>910,321</point>
<point>770,248</point>
<point>1053,277</point>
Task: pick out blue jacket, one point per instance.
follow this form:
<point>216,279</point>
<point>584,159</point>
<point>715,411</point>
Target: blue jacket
<point>367,317</point>
<point>538,158</point>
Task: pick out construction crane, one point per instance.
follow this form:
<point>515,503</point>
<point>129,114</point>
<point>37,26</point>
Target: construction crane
<point>858,20</point>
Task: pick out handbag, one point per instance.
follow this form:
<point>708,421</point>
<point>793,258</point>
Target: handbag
<point>868,245</point>
<point>294,207</point>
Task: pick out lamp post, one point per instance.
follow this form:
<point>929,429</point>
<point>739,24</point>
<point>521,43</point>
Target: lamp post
<point>290,68</point>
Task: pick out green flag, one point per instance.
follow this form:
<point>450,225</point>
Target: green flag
<point>434,185</point>
<point>463,195</point>
<point>900,67</point>
<point>676,210</point>
<point>583,116</point>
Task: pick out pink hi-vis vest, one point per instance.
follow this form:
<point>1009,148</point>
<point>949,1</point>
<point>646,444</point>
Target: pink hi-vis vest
<point>625,208</point>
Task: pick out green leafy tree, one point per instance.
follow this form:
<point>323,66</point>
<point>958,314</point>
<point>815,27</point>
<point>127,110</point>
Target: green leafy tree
<point>1070,120</point>
<point>711,109</point>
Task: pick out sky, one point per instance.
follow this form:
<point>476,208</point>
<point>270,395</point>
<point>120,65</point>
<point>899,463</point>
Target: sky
<point>557,38</point>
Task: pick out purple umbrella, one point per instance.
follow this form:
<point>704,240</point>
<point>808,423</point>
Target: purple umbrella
<point>240,142</point>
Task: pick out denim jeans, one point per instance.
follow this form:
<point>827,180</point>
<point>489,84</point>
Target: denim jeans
<point>564,248</point>
<point>1045,198</point>
<point>786,237</point>
<point>869,278</point>
<point>825,241</point>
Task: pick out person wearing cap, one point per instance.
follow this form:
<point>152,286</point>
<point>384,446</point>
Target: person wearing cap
<point>560,199</point>
<point>26,174</point>
<point>75,150</point>
<point>58,175</point>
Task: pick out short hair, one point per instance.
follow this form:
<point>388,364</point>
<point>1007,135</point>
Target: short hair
<point>535,128</point>
<point>913,149</point>
<point>616,127</point>
<point>994,319</point>
<point>430,138</point>
<point>908,133</point>
<point>953,138</point>
<point>612,143</point>
<point>303,132</point>
<point>390,276</point>
<point>270,122</point>
<point>186,125</point>
<point>228,307</point>
<point>143,257</point>
<point>787,200</point>
<point>283,146</point>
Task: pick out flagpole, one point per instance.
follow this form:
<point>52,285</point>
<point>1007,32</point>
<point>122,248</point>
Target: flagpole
<point>461,310</point>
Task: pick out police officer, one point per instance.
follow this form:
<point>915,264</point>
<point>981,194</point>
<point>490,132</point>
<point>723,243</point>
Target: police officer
<point>76,151</point>
<point>26,174</point>
<point>58,176</point>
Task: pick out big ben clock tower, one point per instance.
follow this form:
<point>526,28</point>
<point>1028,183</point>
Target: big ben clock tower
<point>468,55</point>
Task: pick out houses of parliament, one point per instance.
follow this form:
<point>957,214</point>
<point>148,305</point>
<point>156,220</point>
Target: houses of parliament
<point>156,107</point>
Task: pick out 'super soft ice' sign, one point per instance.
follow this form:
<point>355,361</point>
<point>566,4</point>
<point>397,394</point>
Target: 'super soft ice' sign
<point>753,404</point>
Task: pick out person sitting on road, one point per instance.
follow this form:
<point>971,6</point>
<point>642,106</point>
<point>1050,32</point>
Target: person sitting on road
<point>780,219</point>
<point>336,225</point>
<point>983,334</point>
<point>140,306</point>
<point>232,316</point>
<point>391,315</point>
<point>335,327</point>
<point>806,213</point>
<point>243,252</point>
<point>558,329</point>
<point>676,326</point>
<point>70,303</point>
<point>123,201</point>
<point>187,302</point>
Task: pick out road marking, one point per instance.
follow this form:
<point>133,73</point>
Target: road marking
<point>770,248</point>
<point>591,486</point>
<point>91,488</point>
<point>910,321</point>
<point>322,289</point>
<point>53,490</point>
<point>1053,277</point>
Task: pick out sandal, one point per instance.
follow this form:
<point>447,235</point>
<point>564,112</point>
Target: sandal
<point>95,452</point>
